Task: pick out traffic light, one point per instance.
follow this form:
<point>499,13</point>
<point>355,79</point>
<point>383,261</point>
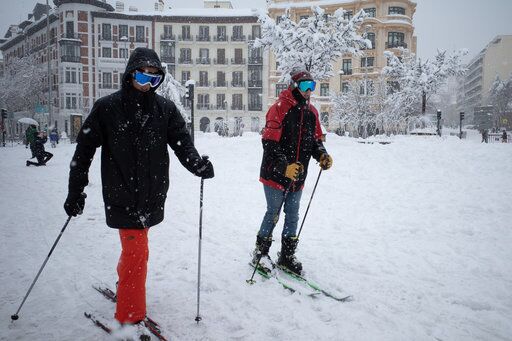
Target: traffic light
<point>462,115</point>
<point>439,114</point>
<point>4,114</point>
<point>189,94</point>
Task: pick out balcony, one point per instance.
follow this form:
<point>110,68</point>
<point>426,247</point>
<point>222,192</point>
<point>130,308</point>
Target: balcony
<point>256,60</point>
<point>204,106</point>
<point>238,38</point>
<point>203,61</point>
<point>220,38</point>
<point>221,106</point>
<point>69,35</point>
<point>255,107</point>
<point>70,59</point>
<point>167,37</point>
<point>223,61</point>
<point>346,72</point>
<point>237,107</point>
<point>168,59</point>
<point>107,37</point>
<point>185,38</point>
<point>185,61</point>
<point>222,84</point>
<point>395,44</point>
<point>204,84</point>
<point>237,61</point>
<point>202,38</point>
<point>256,84</point>
<point>239,84</point>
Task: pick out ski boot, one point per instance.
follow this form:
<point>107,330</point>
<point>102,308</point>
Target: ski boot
<point>287,259</point>
<point>261,252</point>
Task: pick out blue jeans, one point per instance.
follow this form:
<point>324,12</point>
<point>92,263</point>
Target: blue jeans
<point>291,210</point>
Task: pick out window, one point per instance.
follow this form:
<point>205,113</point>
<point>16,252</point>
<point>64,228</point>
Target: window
<point>185,32</point>
<point>237,103</point>
<point>203,101</point>
<point>347,66</point>
<point>71,101</point>
<point>324,89</point>
<point>106,52</point>
<point>167,32</point>
<point>256,32</point>
<point>221,78</point>
<point>123,53</point>
<point>123,31</point>
<point>371,12</point>
<point>280,88</point>
<point>203,78</point>
<point>106,32</point>
<point>255,76</point>
<point>238,78</point>
<point>396,10</point>
<point>344,87</point>
<point>366,87</point>
<point>139,34</point>
<point>185,76</point>
<point>348,15</point>
<point>221,56</point>
<point>71,75</point>
<point>204,33</point>
<point>255,102</point>
<point>396,39</point>
<point>238,32</point>
<point>185,56</point>
<point>70,29</point>
<point>367,61</point>
<point>166,49</point>
<point>221,33</point>
<point>238,56</point>
<point>107,80</point>
<point>221,101</point>
<point>371,37</point>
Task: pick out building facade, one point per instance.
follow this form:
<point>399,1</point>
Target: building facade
<point>389,26</point>
<point>494,60</point>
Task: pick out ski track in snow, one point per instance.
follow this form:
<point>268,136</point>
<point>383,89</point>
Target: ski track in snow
<point>418,231</point>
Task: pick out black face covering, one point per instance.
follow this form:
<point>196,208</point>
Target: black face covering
<point>298,96</point>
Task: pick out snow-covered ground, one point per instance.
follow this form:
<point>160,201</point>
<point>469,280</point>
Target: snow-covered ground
<point>419,231</point>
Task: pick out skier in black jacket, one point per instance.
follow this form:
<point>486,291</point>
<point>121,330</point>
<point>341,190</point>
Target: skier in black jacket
<point>292,135</point>
<point>133,127</point>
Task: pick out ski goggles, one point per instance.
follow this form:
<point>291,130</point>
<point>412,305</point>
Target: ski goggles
<point>306,85</point>
<point>144,78</point>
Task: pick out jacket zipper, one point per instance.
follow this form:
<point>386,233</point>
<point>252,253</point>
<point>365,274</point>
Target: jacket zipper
<point>300,138</point>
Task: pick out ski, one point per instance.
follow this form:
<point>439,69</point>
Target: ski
<point>312,285</point>
<point>153,326</point>
<point>98,323</point>
<point>273,275</point>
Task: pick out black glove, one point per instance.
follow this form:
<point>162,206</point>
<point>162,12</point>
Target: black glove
<point>75,203</point>
<point>204,168</point>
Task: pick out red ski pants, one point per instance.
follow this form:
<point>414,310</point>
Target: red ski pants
<point>132,270</point>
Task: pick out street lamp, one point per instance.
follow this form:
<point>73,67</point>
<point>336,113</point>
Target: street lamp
<point>125,40</point>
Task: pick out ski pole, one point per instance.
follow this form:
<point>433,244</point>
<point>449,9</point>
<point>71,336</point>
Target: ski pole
<point>15,316</point>
<point>310,199</point>
<point>251,280</point>
<point>198,317</point>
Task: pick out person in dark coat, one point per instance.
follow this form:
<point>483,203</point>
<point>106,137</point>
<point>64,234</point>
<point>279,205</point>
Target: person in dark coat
<point>30,138</point>
<point>133,128</point>
<point>292,135</point>
<point>504,136</point>
<point>38,150</point>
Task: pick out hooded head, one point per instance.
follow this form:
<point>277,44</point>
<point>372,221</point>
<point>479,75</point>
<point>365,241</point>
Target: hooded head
<point>140,58</point>
<point>298,76</point>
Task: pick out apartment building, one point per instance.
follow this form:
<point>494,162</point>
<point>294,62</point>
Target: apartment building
<point>389,26</point>
<point>90,43</point>
<point>494,60</point>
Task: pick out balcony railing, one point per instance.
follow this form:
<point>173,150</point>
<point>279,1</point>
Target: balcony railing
<point>169,59</point>
<point>202,38</point>
<point>237,61</point>
<point>395,44</point>
<point>167,37</point>
<point>218,84</point>
<point>70,59</point>
<point>238,38</point>
<point>255,84</point>
<point>70,36</point>
<point>185,38</point>
<point>203,61</point>
<point>185,60</point>
<point>255,107</point>
<point>220,61</point>
<point>237,107</point>
<point>255,60</point>
<point>222,106</point>
<point>204,84</point>
<point>239,84</point>
<point>346,72</point>
<point>220,38</point>
<point>204,106</point>
<point>254,37</point>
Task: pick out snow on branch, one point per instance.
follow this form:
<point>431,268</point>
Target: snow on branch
<point>174,91</point>
<point>314,42</point>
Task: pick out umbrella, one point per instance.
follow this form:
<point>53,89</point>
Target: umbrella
<point>28,120</point>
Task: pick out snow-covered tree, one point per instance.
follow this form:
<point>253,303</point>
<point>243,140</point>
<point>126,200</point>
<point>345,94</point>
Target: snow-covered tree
<point>417,79</point>
<point>174,91</point>
<point>500,94</point>
<point>314,42</point>
<point>25,84</point>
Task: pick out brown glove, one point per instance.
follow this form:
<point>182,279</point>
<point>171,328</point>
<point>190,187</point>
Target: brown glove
<point>325,161</point>
<point>293,170</point>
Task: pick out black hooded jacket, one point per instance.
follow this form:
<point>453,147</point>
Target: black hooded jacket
<point>133,130</point>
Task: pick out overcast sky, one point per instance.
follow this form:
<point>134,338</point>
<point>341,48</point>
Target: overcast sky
<point>439,24</point>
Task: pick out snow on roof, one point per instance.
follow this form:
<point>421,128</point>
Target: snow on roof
<point>321,3</point>
<point>201,12</point>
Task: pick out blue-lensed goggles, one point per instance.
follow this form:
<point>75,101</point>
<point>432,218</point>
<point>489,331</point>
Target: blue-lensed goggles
<point>144,78</point>
<point>306,85</point>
